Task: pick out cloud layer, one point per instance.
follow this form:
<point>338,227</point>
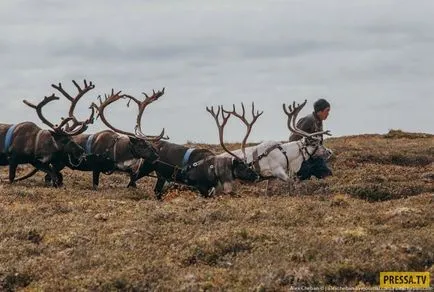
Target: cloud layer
<point>371,59</point>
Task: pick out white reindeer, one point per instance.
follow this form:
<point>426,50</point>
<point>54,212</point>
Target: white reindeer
<point>272,159</point>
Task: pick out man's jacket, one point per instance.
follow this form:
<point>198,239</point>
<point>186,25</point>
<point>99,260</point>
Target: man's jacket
<point>309,124</point>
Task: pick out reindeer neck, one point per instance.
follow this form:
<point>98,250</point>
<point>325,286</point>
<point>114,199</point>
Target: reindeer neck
<point>292,149</point>
<point>294,155</point>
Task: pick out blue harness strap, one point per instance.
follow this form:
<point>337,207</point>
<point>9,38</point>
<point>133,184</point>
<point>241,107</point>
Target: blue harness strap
<point>89,144</point>
<point>187,156</point>
<point>8,138</point>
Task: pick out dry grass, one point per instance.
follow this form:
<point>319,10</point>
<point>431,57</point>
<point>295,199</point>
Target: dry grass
<point>375,214</point>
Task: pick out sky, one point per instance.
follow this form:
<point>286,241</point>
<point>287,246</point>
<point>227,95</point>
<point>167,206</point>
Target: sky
<point>372,60</point>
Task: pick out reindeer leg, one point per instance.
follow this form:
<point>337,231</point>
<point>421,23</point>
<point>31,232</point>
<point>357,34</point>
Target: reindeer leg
<point>12,171</point>
<point>144,170</point>
<point>206,191</point>
<point>158,189</point>
<point>95,179</point>
<point>266,187</point>
<point>47,168</point>
<point>58,174</point>
<point>60,178</point>
<point>47,179</point>
<point>57,166</point>
<point>135,177</point>
<point>132,183</point>
<point>291,186</point>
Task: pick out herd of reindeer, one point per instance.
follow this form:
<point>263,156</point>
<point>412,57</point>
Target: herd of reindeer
<point>137,154</point>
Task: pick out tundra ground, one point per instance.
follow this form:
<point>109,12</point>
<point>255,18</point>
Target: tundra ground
<point>375,214</point>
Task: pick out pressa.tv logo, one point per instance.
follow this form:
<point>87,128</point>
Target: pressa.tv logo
<point>410,280</point>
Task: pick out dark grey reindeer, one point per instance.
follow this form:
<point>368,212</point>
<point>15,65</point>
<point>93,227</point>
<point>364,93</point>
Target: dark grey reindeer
<point>201,168</point>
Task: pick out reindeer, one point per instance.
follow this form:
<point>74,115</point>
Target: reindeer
<point>272,159</point>
<point>115,149</point>
<point>201,168</point>
<point>129,152</point>
<point>44,149</point>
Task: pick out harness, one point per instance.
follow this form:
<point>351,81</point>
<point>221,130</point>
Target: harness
<point>302,147</point>
<point>105,154</point>
<point>187,155</point>
<point>195,164</point>
<point>107,149</point>
<point>257,158</point>
<point>8,138</point>
<point>186,167</point>
<point>38,137</point>
<point>88,147</point>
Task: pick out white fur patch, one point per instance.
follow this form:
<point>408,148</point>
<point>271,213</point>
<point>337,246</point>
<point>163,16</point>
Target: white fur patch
<point>127,164</point>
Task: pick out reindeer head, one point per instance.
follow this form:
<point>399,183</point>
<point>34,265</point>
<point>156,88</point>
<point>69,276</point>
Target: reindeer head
<point>316,166</point>
<point>69,126</point>
<point>240,168</point>
<point>140,143</point>
<point>243,171</point>
<point>314,147</point>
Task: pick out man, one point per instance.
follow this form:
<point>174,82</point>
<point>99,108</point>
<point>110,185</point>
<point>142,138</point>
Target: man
<point>310,124</point>
<point>313,122</point>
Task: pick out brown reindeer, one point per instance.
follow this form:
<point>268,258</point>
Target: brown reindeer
<point>127,151</point>
<point>44,149</point>
<point>115,150</point>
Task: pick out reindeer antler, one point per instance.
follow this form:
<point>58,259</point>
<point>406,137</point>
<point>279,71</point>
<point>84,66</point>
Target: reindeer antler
<point>77,127</point>
<point>292,113</point>
<point>221,125</point>
<point>248,124</point>
<point>39,106</point>
<point>142,105</point>
<point>109,98</point>
<point>116,96</point>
